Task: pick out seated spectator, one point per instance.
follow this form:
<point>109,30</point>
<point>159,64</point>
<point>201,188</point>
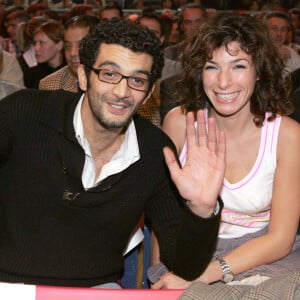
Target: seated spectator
<point>191,16</point>
<point>278,23</point>
<point>12,22</point>
<point>295,16</point>
<point>36,9</point>
<point>24,38</point>
<point>82,9</point>
<point>232,71</point>
<point>48,47</point>
<point>10,70</point>
<point>110,11</point>
<point>66,78</point>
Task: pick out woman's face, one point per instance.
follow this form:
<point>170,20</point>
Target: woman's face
<point>46,50</point>
<point>229,79</point>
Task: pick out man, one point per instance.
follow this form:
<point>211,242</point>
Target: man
<point>295,16</point>
<point>78,171</point>
<point>13,19</point>
<point>66,78</point>
<point>110,11</point>
<point>150,109</point>
<point>278,24</point>
<point>191,16</point>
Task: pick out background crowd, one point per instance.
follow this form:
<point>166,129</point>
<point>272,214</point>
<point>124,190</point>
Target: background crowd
<point>37,41</point>
<point>40,41</point>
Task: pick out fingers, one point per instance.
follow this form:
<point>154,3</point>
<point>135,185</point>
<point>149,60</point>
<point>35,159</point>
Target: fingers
<point>207,133</point>
<point>171,161</point>
<point>157,285</point>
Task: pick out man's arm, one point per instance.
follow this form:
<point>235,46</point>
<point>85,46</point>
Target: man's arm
<point>185,224</point>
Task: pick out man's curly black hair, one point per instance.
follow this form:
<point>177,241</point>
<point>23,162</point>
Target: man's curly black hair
<point>125,33</point>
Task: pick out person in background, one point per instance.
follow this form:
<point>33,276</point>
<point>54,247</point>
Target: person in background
<point>82,9</point>
<point>24,39</point>
<point>150,109</point>
<point>78,170</point>
<point>295,16</point>
<point>12,21</point>
<point>233,71</point>
<point>48,47</point>
<point>11,71</point>
<point>36,9</point>
<point>66,78</point>
<point>110,11</point>
<point>191,16</point>
<point>278,24</point>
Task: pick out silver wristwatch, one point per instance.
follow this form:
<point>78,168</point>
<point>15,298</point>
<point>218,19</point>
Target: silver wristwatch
<point>227,274</point>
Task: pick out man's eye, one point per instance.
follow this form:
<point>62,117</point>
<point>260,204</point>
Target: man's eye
<point>109,74</point>
<point>138,81</point>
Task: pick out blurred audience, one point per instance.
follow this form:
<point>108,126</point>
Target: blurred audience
<point>48,47</point>
<point>191,16</point>
<point>110,11</point>
<point>278,24</point>
<point>66,78</point>
<point>24,38</point>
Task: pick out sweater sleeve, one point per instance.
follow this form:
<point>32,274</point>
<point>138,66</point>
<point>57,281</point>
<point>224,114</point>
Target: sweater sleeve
<point>186,241</point>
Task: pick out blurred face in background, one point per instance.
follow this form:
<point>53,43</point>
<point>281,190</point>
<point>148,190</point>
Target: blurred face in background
<point>108,14</point>
<point>278,29</point>
<point>153,25</point>
<point>192,18</point>
<point>72,38</point>
<point>46,50</point>
<point>11,28</point>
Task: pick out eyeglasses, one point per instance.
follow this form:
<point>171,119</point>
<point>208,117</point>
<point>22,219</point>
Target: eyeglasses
<point>136,83</point>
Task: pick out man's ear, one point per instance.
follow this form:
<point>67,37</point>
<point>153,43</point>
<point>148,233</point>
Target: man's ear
<point>162,39</point>
<point>149,94</point>
<point>60,45</point>
<point>82,79</point>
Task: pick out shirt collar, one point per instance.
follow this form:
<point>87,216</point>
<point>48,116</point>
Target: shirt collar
<point>127,154</point>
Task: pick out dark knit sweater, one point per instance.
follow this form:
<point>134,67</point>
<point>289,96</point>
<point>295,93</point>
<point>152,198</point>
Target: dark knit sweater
<point>48,236</point>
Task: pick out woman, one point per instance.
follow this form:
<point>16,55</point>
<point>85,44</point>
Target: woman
<point>25,33</point>
<point>48,46</point>
<point>232,71</point>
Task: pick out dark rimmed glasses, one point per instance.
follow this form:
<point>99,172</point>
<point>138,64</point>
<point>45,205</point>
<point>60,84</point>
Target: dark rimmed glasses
<point>134,82</point>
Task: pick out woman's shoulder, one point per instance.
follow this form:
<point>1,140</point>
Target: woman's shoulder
<point>289,135</point>
<point>174,125</point>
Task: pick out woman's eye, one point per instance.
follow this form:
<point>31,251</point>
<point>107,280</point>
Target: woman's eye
<point>209,67</point>
<point>240,67</point>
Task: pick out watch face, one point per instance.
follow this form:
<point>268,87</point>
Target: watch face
<point>228,277</point>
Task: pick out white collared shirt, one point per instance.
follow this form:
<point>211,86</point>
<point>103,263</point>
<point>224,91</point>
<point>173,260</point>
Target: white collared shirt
<point>127,154</point>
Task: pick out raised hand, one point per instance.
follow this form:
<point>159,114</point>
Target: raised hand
<point>200,179</point>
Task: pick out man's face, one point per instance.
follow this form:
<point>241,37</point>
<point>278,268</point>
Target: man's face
<point>278,29</point>
<point>72,37</point>
<point>192,18</point>
<point>295,21</point>
<point>109,14</point>
<point>11,28</point>
<point>152,25</point>
<point>111,106</point>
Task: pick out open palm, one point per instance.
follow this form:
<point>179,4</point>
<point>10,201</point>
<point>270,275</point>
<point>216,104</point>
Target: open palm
<point>200,179</point>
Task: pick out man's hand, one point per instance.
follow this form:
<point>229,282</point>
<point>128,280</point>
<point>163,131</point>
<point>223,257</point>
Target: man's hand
<point>200,180</point>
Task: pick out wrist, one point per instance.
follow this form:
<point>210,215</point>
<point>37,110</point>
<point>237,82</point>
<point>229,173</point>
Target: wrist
<point>206,212</point>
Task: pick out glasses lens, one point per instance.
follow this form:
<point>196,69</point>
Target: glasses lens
<point>138,83</point>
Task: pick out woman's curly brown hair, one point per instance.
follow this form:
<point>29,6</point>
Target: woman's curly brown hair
<point>272,89</point>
